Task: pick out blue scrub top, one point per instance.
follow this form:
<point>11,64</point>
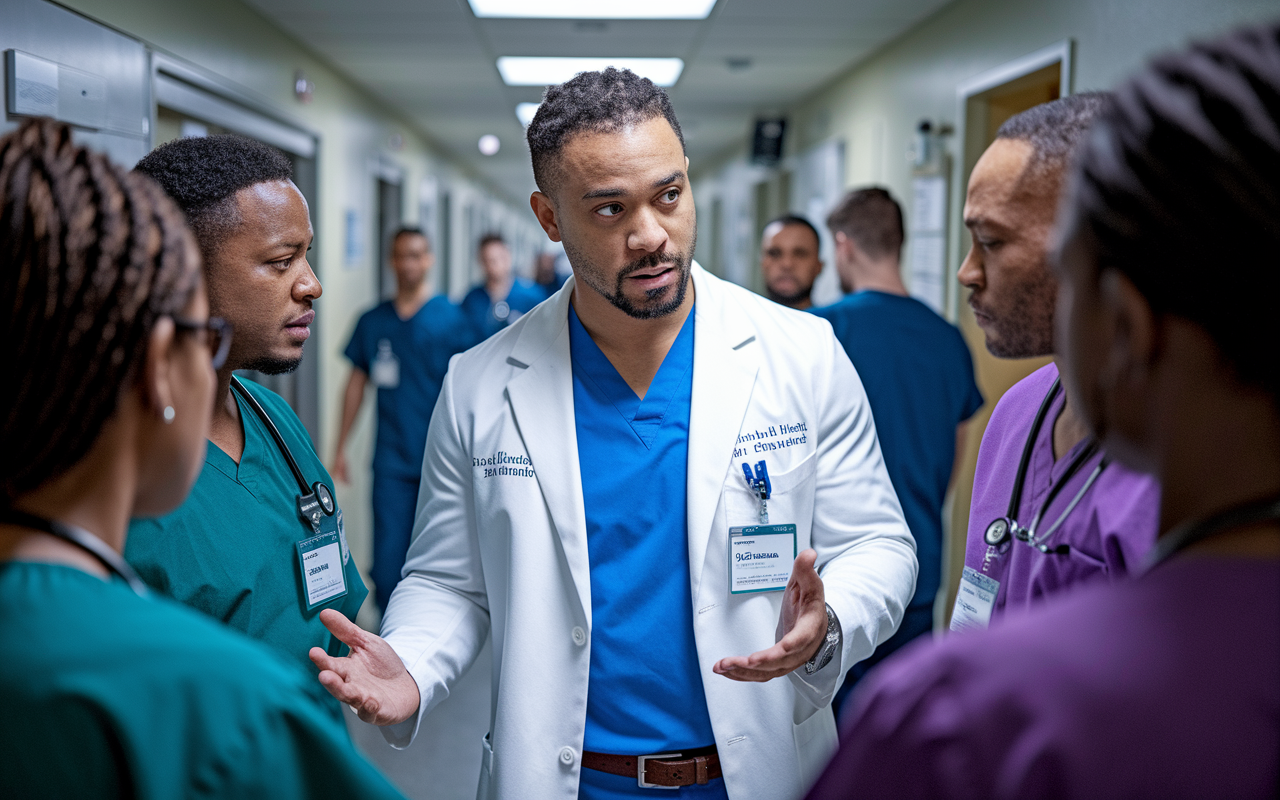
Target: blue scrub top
<point>918,374</point>
<point>422,345</point>
<point>479,307</point>
<point>645,690</point>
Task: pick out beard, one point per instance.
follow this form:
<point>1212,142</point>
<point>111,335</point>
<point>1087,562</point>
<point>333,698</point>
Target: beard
<point>654,304</point>
<point>268,365</point>
<point>1024,329</point>
<point>791,298</point>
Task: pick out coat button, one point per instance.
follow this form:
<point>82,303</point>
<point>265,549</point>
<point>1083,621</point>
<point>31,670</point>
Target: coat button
<point>567,756</point>
<point>579,636</point>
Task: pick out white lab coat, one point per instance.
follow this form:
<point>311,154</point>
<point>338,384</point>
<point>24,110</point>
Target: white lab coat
<point>500,540</point>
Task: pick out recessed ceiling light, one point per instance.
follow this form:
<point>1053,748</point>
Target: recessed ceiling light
<point>594,9</point>
<point>525,112</point>
<point>489,144</point>
<point>539,71</point>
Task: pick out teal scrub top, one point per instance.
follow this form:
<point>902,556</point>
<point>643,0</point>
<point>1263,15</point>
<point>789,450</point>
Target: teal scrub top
<point>230,549</point>
<point>107,694</point>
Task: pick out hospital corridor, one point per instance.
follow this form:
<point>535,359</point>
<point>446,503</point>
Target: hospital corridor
<point>554,399</point>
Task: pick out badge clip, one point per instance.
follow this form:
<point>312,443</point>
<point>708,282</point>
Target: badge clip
<point>311,507</point>
<point>760,486</point>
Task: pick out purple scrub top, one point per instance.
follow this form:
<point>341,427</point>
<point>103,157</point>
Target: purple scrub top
<point>1162,686</point>
<point>1108,533</point>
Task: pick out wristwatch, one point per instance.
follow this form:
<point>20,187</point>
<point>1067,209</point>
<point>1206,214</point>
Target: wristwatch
<point>830,645</point>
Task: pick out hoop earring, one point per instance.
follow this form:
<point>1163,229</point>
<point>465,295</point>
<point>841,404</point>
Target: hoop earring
<point>169,415</point>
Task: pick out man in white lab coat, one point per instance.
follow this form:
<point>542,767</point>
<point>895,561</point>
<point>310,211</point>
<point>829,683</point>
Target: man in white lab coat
<point>661,494</point>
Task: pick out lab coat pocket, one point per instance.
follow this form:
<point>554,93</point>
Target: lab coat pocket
<point>815,740</point>
<point>790,501</point>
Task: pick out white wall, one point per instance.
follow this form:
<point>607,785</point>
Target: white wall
<point>358,136</point>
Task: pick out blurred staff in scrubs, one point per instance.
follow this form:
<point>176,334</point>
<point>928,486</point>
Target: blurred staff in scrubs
<point>919,378</point>
<point>502,298</point>
<point>1050,508</point>
<point>262,515</point>
<point>401,346</point>
<point>109,691</point>
<point>789,261</point>
<point>1164,685</point>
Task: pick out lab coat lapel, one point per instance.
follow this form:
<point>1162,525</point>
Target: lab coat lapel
<point>724,374</point>
<point>541,398</point>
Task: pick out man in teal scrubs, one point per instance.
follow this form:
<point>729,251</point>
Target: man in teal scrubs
<point>232,550</point>
<point>110,691</point>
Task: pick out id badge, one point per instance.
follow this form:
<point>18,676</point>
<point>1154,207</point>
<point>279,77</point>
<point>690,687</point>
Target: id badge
<point>974,601</point>
<point>320,558</point>
<point>385,369</point>
<point>761,557</point>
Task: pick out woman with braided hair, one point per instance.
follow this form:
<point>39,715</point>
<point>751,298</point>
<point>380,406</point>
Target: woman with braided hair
<point>1166,685</point>
<point>109,691</point>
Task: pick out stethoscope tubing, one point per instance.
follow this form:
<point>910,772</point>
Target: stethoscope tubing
<point>1012,529</point>
<point>72,534</point>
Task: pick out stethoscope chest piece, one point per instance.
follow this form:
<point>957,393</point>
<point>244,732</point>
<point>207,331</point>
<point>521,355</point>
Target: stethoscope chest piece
<point>324,496</point>
<point>997,532</point>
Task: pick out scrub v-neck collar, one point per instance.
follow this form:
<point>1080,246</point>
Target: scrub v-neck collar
<point>645,416</point>
<point>253,456</point>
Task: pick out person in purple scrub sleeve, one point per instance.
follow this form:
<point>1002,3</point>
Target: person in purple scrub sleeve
<point>1050,509</point>
<point>1166,684</point>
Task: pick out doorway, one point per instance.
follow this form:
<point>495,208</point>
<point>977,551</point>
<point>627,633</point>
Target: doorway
<point>985,103</point>
<point>189,103</point>
<point>389,221</point>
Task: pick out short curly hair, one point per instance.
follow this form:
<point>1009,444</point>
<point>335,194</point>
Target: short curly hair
<point>202,174</point>
<point>1054,130</point>
<point>595,102</point>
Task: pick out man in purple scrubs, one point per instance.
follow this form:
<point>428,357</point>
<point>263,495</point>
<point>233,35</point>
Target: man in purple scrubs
<point>1167,684</point>
<point>1049,508</point>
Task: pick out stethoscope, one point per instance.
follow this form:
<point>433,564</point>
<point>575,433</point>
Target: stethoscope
<point>1002,528</point>
<point>314,500</point>
<point>81,538</point>
<point>1192,531</point>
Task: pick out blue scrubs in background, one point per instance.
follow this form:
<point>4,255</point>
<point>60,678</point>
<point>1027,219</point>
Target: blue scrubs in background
<point>406,359</point>
<point>918,374</point>
<point>488,317</point>
<point>645,690</point>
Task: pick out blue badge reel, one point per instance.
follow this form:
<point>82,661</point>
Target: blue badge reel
<point>761,556</point>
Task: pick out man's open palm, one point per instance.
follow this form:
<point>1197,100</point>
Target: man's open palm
<point>802,626</point>
<point>372,679</point>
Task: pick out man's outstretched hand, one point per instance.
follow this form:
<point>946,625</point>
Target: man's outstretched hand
<point>802,627</point>
<point>372,679</point>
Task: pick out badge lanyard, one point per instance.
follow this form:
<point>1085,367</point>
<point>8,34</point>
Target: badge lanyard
<point>81,538</point>
<point>1002,528</point>
<point>321,555</point>
<point>1188,533</point>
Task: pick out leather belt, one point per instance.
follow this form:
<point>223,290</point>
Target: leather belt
<point>685,768</point>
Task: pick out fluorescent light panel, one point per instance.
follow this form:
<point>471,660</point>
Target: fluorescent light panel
<point>593,9</point>
<point>539,71</point>
<point>525,112</point>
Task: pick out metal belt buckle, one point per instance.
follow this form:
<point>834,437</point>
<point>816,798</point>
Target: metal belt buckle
<point>640,762</point>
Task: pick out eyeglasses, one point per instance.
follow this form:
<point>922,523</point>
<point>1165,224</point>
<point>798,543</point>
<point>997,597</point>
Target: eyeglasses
<point>217,335</point>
